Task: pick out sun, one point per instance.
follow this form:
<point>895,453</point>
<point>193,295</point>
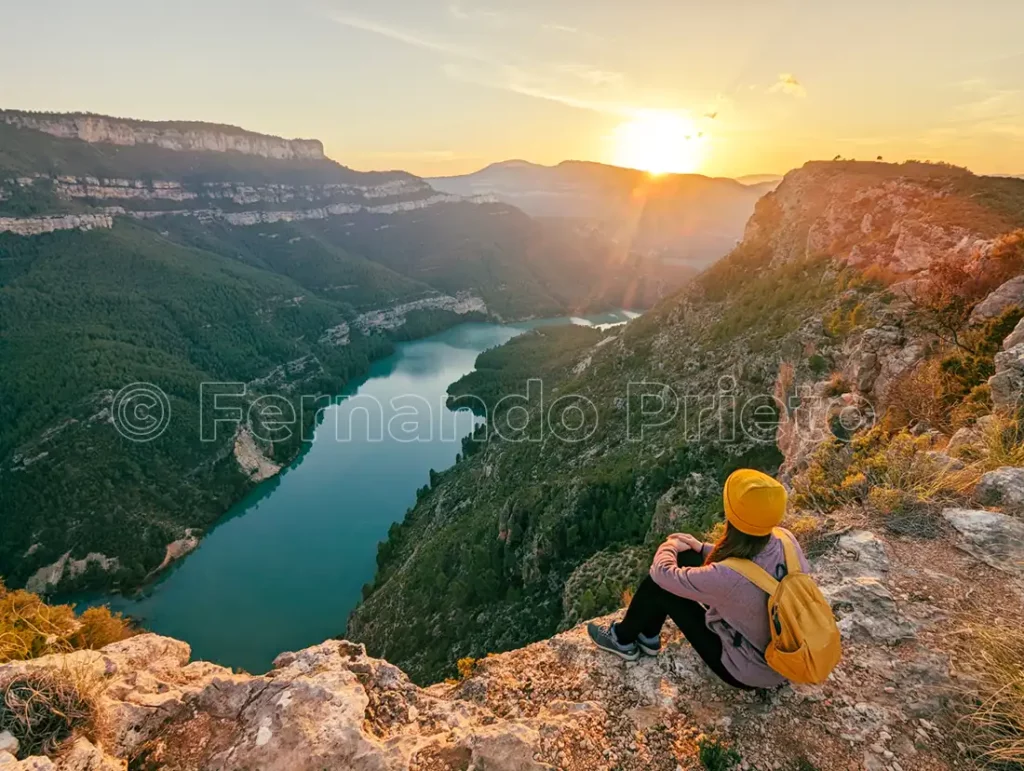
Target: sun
<point>660,142</point>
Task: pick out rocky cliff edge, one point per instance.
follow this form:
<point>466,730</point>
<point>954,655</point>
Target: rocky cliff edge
<point>561,704</point>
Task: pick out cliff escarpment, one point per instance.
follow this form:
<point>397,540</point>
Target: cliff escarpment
<point>169,135</point>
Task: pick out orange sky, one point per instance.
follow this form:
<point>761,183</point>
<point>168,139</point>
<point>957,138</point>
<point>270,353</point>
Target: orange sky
<point>439,87</point>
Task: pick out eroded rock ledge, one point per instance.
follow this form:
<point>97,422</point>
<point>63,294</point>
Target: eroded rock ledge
<point>557,704</point>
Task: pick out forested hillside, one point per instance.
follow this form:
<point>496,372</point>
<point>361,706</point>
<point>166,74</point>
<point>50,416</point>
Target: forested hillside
<point>130,256</point>
<point>847,305</point>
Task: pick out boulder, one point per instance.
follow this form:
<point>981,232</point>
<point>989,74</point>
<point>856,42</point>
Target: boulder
<point>853,580</point>
<point>963,441</point>
<point>1003,298</point>
<point>1008,382</point>
<point>995,539</point>
<point>1016,337</point>
<point>1004,488</point>
<point>8,743</point>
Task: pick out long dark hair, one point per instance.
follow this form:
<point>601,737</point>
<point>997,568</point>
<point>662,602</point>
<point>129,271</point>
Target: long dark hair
<point>737,544</point>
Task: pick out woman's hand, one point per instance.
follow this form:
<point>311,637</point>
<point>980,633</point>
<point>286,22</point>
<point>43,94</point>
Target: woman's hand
<point>685,542</point>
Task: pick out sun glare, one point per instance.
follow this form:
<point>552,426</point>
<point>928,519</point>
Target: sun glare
<point>659,142</point>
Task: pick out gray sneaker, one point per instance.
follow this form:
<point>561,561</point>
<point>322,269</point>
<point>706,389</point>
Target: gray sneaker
<point>649,645</point>
<point>604,638</point>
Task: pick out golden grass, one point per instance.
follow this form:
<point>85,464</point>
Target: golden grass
<point>1002,443</point>
<point>887,472</point>
<point>994,728</point>
<point>30,628</point>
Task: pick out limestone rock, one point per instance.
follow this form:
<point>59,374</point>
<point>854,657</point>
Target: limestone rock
<point>1008,382</point>
<point>1003,487</point>
<point>557,704</point>
<point>995,539</point>
<point>1003,298</point>
<point>1016,337</point>
<point>181,136</point>
<point>8,743</point>
<point>962,441</point>
<point>85,756</point>
<point>853,580</point>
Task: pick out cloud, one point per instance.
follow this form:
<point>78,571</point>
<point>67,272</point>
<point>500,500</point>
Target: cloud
<point>509,77</point>
<point>545,82</point>
<point>476,14</point>
<point>989,109</point>
<point>408,37</point>
<point>788,84</point>
<point>566,29</point>
<point>593,75</point>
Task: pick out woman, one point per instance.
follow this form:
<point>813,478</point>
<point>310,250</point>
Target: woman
<point>722,614</point>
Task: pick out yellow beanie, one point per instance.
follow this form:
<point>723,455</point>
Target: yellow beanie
<point>754,502</point>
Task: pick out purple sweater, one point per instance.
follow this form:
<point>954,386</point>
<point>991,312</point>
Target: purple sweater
<point>734,605</point>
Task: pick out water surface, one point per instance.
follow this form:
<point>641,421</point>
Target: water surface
<point>286,565</point>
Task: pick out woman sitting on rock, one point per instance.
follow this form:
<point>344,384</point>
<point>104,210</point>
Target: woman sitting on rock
<point>722,614</point>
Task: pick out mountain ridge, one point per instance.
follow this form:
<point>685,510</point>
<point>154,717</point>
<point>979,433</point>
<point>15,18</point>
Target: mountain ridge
<point>819,288</point>
<point>170,135</point>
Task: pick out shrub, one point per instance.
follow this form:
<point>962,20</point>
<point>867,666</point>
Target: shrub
<point>810,532</point>
<point>889,472</point>
<point>30,628</point>
<point>995,724</point>
<point>42,708</point>
<point>716,756</point>
<point>955,285</point>
<point>974,363</point>
<point>919,396</point>
<point>838,385</point>
<point>818,364</point>
<point>466,667</point>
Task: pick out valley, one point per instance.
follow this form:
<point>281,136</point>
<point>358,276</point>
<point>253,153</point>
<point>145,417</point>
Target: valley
<point>173,254</point>
<point>286,565</point>
<point>863,343</point>
<point>511,386</point>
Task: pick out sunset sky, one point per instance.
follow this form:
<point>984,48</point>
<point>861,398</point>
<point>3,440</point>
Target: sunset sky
<point>438,87</point>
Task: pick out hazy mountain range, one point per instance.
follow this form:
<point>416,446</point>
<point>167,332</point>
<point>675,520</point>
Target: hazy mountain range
<point>685,219</point>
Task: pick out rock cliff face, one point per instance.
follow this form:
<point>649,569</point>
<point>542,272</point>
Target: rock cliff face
<point>230,202</point>
<point>168,135</point>
<point>34,226</point>
<point>560,703</point>
<point>896,218</point>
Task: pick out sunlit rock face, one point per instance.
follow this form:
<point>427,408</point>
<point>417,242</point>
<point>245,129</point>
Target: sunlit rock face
<point>898,219</point>
<point>170,136</point>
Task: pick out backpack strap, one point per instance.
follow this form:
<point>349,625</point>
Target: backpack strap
<point>753,572</point>
<point>789,547</point>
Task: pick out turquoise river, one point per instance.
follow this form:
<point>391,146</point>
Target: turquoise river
<point>286,565</point>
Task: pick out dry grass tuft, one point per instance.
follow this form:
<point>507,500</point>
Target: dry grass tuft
<point>43,708</point>
<point>1002,442</point>
<point>29,628</point>
<point>885,472</point>
<point>994,729</point>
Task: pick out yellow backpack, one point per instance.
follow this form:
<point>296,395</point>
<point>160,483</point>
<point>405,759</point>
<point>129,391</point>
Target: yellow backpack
<point>805,644</point>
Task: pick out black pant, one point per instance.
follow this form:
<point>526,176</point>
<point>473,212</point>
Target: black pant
<point>651,605</point>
